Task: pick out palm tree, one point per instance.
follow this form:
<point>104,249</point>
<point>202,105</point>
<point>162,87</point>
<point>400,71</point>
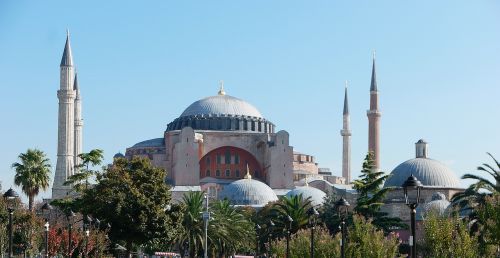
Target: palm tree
<point>475,194</point>
<point>294,206</point>
<point>32,174</point>
<point>192,223</point>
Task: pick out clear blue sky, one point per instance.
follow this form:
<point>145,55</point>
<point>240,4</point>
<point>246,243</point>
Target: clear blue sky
<point>142,63</point>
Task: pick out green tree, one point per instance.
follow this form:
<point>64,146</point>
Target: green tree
<point>325,246</point>
<point>447,237</point>
<point>32,174</point>
<point>132,196</point>
<point>191,236</point>
<point>371,194</point>
<point>366,240</point>
<point>488,217</point>
<point>80,180</point>
<point>296,207</point>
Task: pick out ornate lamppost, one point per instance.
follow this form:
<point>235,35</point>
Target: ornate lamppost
<point>342,206</point>
<point>412,184</point>
<point>270,228</point>
<point>313,214</point>
<point>69,216</point>
<point>289,227</point>
<point>87,222</point>
<point>10,197</point>
<point>47,208</point>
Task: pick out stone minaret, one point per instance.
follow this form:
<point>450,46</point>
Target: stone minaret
<point>78,122</point>
<point>374,120</point>
<point>66,129</point>
<point>346,138</point>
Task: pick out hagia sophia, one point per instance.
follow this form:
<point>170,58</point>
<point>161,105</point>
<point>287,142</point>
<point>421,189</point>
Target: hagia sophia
<point>225,146</point>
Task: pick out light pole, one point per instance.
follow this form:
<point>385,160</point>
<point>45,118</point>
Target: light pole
<point>69,216</point>
<point>289,227</point>
<point>257,230</point>
<point>87,222</point>
<point>342,206</point>
<point>206,218</point>
<point>313,214</point>
<point>46,207</point>
<point>10,197</point>
<point>270,227</point>
<point>412,184</point>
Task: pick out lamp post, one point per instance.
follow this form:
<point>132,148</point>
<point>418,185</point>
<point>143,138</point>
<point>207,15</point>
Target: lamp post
<point>47,208</point>
<point>87,222</point>
<point>270,227</point>
<point>257,230</point>
<point>342,206</point>
<point>313,214</point>
<point>206,218</point>
<point>10,197</point>
<point>69,216</point>
<point>412,184</point>
<point>289,227</point>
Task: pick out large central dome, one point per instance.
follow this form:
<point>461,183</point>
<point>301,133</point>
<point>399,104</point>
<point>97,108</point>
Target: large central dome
<point>221,105</point>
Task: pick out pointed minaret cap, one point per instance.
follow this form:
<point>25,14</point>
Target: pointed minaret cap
<point>248,176</point>
<point>67,58</point>
<point>346,102</point>
<point>221,89</point>
<point>75,84</point>
<point>373,85</point>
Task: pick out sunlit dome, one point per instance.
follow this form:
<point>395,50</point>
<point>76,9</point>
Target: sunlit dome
<point>316,196</point>
<point>437,205</point>
<point>221,104</point>
<point>248,192</point>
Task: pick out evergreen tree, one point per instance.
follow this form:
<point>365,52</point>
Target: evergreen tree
<point>371,195</point>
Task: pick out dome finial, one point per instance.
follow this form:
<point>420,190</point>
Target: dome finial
<point>221,89</point>
<point>307,181</point>
<point>248,176</point>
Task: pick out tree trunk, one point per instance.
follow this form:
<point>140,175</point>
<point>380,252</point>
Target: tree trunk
<point>129,249</point>
<point>31,200</point>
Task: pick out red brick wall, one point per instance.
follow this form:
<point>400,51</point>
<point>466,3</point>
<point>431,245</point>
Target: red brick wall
<point>238,161</point>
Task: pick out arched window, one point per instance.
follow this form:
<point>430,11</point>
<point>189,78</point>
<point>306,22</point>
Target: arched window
<point>208,172</point>
<point>217,172</point>
<point>237,173</point>
<point>208,160</point>
<point>227,158</point>
<point>228,173</point>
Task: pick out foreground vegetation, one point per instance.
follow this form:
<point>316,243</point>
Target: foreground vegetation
<point>127,207</point>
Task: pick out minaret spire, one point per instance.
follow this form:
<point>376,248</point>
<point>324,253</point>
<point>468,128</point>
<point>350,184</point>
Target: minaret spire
<point>374,119</point>
<point>346,141</point>
<point>78,122</point>
<point>66,124</point>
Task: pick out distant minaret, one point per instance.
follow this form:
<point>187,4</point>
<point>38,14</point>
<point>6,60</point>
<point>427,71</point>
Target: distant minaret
<point>78,122</point>
<point>374,120</point>
<point>66,129</point>
<point>346,137</point>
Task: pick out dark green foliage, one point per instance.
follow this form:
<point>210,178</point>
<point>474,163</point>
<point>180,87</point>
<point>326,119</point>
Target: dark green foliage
<point>296,207</point>
<point>80,180</point>
<point>132,196</point>
<point>371,196</point>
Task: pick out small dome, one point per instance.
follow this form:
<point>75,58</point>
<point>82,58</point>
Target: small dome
<point>221,105</point>
<point>248,192</point>
<point>118,155</point>
<point>316,196</point>
<point>438,205</point>
<point>428,171</point>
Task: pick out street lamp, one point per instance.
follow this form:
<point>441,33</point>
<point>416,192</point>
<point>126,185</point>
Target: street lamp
<point>87,222</point>
<point>270,227</point>
<point>69,216</point>
<point>46,207</point>
<point>412,184</point>
<point>10,198</point>
<point>313,214</point>
<point>289,227</point>
<point>257,231</point>
<point>342,206</point>
<point>206,218</point>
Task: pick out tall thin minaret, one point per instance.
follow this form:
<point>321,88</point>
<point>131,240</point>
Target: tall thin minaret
<point>66,129</point>
<point>374,119</point>
<point>346,139</point>
<point>78,122</point>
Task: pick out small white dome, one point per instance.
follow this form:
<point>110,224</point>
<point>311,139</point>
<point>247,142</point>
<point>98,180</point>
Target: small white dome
<point>438,205</point>
<point>248,192</point>
<point>316,196</point>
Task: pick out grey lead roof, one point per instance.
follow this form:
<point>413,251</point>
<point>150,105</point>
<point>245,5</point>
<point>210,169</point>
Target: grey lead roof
<point>373,85</point>
<point>221,105</point>
<point>346,104</point>
<point>157,142</point>
<point>75,84</point>
<point>67,58</point>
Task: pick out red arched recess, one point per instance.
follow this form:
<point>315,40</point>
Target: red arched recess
<point>230,163</point>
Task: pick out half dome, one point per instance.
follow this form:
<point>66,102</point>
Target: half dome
<point>248,192</point>
<point>316,196</point>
